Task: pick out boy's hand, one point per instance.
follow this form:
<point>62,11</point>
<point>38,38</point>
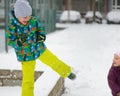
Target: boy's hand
<point>41,38</point>
<point>24,37</point>
<point>21,40</point>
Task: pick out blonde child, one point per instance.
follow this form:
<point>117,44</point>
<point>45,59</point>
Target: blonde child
<point>114,75</point>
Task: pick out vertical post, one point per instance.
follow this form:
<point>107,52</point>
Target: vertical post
<point>69,8</point>
<point>66,4</point>
<point>106,6</point>
<point>7,6</point>
<point>94,10</point>
<point>91,5</point>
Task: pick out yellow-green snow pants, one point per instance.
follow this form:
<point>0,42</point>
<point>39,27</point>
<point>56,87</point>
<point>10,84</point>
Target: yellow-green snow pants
<point>28,68</point>
<point>56,64</point>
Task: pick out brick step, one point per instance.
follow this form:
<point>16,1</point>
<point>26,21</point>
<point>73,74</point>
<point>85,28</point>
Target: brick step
<point>14,77</point>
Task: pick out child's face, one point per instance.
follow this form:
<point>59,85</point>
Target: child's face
<point>24,20</point>
<point>116,60</point>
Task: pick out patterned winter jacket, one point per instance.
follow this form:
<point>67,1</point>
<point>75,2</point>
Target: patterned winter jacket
<point>31,49</point>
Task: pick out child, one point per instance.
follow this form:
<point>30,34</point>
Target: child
<point>114,75</point>
<point>26,35</point>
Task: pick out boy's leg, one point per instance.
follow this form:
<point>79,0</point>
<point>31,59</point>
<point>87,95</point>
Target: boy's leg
<point>28,68</point>
<point>56,64</point>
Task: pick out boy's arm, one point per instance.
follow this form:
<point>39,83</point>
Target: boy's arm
<point>41,35</point>
<point>115,88</point>
<point>11,36</point>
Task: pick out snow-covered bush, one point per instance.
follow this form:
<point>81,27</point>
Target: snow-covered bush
<point>75,16</point>
<point>113,17</point>
<point>89,17</point>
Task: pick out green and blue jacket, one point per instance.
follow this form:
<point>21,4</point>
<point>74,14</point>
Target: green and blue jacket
<point>31,49</point>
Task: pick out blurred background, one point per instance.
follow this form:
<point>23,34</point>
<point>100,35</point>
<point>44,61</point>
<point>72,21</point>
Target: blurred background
<point>51,12</point>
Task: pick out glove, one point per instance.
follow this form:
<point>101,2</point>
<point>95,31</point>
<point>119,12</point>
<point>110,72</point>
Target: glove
<point>22,39</point>
<point>41,38</point>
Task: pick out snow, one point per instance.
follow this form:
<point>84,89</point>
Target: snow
<point>90,14</point>
<point>87,48</point>
<point>74,15</point>
<point>10,91</point>
<point>114,16</point>
<point>44,85</point>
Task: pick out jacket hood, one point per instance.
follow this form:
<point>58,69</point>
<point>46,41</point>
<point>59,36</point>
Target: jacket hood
<point>12,18</point>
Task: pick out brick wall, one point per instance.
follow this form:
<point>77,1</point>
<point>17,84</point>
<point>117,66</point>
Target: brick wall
<point>13,77</point>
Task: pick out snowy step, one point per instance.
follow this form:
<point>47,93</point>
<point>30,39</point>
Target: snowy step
<point>49,84</point>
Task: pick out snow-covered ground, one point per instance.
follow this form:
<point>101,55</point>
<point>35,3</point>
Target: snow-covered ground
<point>87,48</point>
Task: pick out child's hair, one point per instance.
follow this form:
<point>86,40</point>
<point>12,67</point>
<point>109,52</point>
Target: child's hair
<point>117,53</point>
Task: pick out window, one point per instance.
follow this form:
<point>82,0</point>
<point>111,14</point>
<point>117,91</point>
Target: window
<point>116,4</point>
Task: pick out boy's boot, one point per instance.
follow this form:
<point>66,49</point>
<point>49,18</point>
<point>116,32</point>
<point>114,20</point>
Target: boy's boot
<point>72,76</point>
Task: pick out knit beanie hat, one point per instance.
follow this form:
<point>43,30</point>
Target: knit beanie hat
<point>22,8</point>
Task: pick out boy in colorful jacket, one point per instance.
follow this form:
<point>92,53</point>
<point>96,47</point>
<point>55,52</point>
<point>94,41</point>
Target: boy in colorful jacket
<point>26,35</point>
<point>114,75</point>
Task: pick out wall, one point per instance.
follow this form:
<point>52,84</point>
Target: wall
<point>13,77</point>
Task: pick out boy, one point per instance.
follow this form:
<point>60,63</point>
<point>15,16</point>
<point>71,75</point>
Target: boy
<point>114,75</point>
<point>26,35</point>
